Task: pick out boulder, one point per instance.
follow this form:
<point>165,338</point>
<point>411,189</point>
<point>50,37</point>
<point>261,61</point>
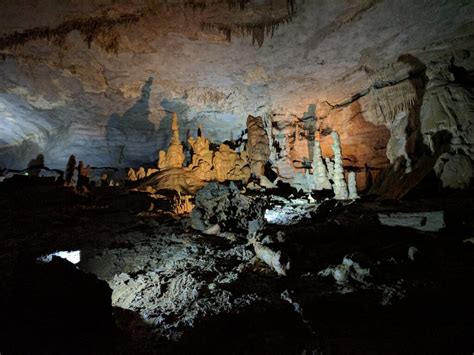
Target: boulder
<point>226,206</point>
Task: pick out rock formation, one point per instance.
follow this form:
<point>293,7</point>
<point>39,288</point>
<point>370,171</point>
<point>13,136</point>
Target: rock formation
<point>352,185</point>
<point>319,169</point>
<point>228,165</point>
<point>258,145</point>
<point>227,207</point>
<point>174,156</point>
<point>141,174</point>
<point>202,158</point>
<point>131,175</point>
<point>339,183</point>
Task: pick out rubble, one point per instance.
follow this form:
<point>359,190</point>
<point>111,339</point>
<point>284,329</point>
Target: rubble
<point>166,279</point>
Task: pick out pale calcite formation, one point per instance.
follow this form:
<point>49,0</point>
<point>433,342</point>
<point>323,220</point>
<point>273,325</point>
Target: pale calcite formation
<point>174,156</point>
<point>319,169</point>
<point>352,184</point>
<point>339,183</point>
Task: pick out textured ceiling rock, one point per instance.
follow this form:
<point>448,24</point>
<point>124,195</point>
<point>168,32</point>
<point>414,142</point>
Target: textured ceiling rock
<point>109,99</point>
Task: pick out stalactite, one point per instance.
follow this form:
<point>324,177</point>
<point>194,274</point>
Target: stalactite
<point>393,89</point>
<point>226,30</point>
<point>100,29</point>
<point>90,29</point>
<point>196,5</point>
<point>290,4</point>
<point>237,3</point>
<point>257,31</point>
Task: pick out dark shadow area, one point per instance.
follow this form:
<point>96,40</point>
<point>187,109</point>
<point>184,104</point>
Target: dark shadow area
<point>130,136</point>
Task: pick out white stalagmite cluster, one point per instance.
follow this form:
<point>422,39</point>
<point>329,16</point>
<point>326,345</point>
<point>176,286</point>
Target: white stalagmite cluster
<point>339,184</point>
<point>319,169</point>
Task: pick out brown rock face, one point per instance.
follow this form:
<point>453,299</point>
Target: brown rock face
<point>258,145</point>
<point>363,143</point>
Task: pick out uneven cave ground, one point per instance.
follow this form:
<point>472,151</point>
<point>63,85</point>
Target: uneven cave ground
<point>410,306</point>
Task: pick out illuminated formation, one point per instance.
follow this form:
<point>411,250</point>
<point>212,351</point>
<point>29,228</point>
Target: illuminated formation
<point>223,165</point>
<point>339,183</point>
<point>319,169</point>
<point>174,156</point>
<point>201,164</point>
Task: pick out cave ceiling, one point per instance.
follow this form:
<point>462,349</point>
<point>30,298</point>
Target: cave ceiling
<point>83,77</point>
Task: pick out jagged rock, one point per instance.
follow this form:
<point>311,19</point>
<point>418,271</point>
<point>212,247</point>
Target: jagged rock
<point>226,206</point>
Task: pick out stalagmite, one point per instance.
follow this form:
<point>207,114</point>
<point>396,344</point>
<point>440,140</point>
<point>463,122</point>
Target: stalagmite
<point>339,184</point>
<point>258,145</point>
<point>174,157</point>
<point>352,186</point>
<point>319,169</point>
<point>132,176</point>
<point>140,173</point>
<point>201,163</point>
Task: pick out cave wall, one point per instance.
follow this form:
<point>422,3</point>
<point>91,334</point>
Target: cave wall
<point>336,66</point>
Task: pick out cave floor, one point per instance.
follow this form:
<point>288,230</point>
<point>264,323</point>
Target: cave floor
<point>190,293</point>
